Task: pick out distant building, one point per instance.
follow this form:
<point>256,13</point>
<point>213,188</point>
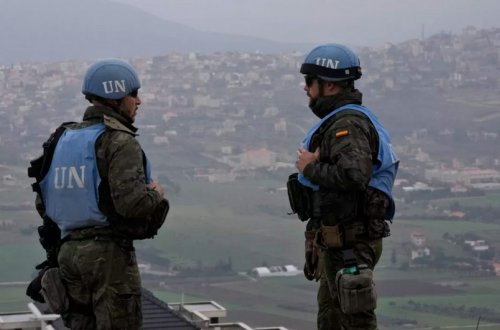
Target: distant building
<point>258,158</point>
<point>420,253</point>
<point>418,186</point>
<point>418,239</point>
<point>219,176</point>
<point>456,214</point>
<point>280,126</point>
<point>470,177</point>
<point>477,245</point>
<point>496,266</point>
<point>205,101</point>
<point>419,250</point>
<point>288,270</point>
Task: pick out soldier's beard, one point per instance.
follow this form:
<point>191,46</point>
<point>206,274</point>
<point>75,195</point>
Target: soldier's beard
<point>125,115</point>
<point>312,102</point>
<point>313,105</point>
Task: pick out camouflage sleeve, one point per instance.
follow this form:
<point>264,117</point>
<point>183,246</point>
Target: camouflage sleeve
<point>345,156</point>
<point>126,177</point>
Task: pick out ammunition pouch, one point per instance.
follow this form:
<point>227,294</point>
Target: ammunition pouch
<point>49,233</point>
<point>332,237</point>
<point>54,291</point>
<point>341,236</point>
<point>50,239</point>
<point>356,292</point>
<point>300,198</point>
<point>375,205</point>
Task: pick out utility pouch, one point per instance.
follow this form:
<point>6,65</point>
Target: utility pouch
<point>299,197</point>
<point>356,292</point>
<point>54,291</point>
<point>332,236</point>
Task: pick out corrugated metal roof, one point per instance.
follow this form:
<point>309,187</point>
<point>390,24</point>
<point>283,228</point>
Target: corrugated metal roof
<point>156,315</point>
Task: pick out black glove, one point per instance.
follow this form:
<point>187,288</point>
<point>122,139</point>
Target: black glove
<point>311,255</point>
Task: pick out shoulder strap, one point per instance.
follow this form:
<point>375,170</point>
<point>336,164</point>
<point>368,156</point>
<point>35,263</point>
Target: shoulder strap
<point>40,166</point>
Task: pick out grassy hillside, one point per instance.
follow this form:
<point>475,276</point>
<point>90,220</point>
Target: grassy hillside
<point>246,221</point>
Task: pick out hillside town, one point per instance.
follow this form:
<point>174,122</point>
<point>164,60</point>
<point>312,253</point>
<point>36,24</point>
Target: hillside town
<point>226,116</point>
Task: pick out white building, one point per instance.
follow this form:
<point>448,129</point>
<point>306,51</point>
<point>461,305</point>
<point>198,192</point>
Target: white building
<point>288,270</point>
<point>470,177</point>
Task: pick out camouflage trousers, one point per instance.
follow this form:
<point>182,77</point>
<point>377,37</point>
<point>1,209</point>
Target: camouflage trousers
<point>103,284</point>
<point>330,316</point>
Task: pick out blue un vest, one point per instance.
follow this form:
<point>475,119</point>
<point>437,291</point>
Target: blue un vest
<point>383,172</point>
<point>70,189</point>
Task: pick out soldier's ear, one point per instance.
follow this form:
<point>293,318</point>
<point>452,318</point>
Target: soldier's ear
<point>330,86</point>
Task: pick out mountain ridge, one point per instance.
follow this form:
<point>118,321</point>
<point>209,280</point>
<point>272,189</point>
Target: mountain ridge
<point>32,30</point>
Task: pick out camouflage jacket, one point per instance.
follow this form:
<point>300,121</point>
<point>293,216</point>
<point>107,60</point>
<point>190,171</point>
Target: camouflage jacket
<point>348,144</point>
<point>124,198</point>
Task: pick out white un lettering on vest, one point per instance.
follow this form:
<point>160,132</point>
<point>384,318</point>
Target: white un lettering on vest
<point>113,86</point>
<point>327,62</point>
<point>68,177</point>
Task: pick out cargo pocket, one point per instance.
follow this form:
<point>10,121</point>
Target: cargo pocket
<point>54,291</point>
<point>356,292</point>
<point>125,311</point>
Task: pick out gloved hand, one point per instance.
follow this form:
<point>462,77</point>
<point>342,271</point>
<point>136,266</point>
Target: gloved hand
<point>310,266</point>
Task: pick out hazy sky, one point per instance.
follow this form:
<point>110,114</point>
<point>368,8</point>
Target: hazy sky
<point>356,22</point>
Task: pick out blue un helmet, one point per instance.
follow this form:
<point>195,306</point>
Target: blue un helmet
<point>110,79</point>
<point>332,62</point>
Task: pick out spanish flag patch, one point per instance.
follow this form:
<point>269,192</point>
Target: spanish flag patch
<point>341,133</point>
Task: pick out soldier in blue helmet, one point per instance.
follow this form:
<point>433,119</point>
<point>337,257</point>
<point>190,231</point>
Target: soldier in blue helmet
<point>346,172</point>
<point>96,195</point>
